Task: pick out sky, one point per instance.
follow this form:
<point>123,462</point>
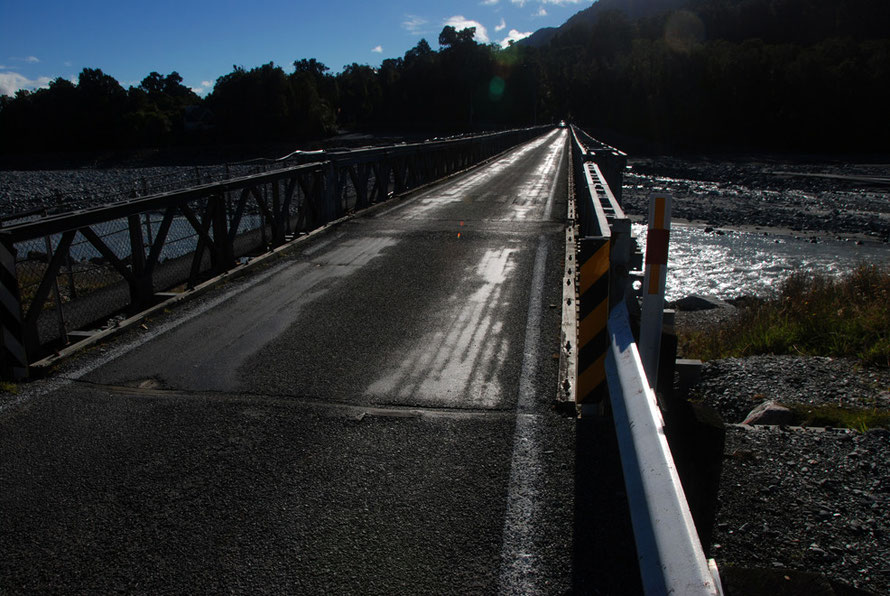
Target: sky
<point>203,40</point>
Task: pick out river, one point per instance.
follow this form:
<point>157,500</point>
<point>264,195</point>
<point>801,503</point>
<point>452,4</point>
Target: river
<point>732,263</point>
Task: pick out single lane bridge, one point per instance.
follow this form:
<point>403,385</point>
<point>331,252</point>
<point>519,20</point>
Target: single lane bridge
<point>371,410</point>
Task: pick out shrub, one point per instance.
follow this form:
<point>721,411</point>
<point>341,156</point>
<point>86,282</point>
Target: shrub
<point>812,314</point>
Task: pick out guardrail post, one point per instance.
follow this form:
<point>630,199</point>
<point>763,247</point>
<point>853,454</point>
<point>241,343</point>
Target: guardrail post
<point>593,302</point>
<point>141,288</point>
<point>277,219</point>
<point>328,194</point>
<point>614,163</point>
<point>654,282</point>
<point>12,335</point>
<point>223,239</point>
<point>620,260</point>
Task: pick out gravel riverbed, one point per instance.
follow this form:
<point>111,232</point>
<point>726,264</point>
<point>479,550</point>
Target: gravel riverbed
<point>68,190</point>
<point>837,198</point>
<point>806,499</point>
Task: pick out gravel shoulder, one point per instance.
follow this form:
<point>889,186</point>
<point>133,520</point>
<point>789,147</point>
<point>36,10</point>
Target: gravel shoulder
<point>807,500</point>
<point>814,500</point>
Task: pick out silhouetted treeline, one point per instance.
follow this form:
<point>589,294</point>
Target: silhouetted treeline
<point>770,74</point>
<point>96,113</point>
<point>808,75</point>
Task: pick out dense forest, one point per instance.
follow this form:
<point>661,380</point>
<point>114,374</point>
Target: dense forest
<point>811,75</point>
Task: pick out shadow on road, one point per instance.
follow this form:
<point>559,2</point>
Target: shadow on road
<point>604,554</point>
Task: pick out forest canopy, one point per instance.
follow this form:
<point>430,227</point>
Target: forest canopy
<point>727,74</point>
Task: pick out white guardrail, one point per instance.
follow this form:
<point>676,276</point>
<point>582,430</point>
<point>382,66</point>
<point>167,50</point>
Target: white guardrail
<point>670,553</point>
<point>671,557</point>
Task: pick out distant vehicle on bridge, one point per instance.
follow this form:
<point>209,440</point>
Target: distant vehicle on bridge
<point>562,123</point>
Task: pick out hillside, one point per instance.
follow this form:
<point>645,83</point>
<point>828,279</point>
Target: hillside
<point>633,9</point>
<point>794,21</point>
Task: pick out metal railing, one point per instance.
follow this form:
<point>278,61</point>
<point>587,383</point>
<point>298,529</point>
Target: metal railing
<point>670,553</point>
<point>66,274</point>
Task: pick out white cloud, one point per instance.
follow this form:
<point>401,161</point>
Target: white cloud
<point>541,12</point>
<point>489,2</point>
<point>521,3</point>
<point>10,82</point>
<point>204,89</point>
<point>66,63</point>
<point>32,60</point>
<point>501,26</point>
<point>460,23</point>
<point>377,49</point>
<point>414,24</point>
<point>514,36</point>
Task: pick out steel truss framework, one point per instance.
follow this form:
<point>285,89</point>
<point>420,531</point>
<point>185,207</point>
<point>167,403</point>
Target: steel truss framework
<point>51,293</point>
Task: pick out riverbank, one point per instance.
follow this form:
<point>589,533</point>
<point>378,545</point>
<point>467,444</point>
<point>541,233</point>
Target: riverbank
<point>800,197</point>
<point>790,498</point>
<point>805,499</point>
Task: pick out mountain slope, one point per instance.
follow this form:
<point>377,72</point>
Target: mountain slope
<point>634,9</point>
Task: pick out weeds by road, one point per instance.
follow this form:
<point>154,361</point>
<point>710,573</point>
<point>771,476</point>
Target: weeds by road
<point>812,315</point>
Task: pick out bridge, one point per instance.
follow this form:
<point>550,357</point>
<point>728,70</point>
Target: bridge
<point>353,372</point>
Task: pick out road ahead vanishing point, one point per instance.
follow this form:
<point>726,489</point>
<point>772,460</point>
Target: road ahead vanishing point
<point>370,413</point>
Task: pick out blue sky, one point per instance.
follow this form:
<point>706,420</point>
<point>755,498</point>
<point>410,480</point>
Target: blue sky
<point>202,40</point>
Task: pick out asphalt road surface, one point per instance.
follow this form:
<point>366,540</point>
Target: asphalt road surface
<point>370,413</point>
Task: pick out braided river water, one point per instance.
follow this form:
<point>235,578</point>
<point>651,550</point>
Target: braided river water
<point>732,263</point>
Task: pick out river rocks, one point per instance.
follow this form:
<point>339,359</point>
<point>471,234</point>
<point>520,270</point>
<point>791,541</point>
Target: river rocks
<point>751,192</point>
<point>770,412</point>
<point>813,500</point>
<point>796,499</point>
<point>67,190</point>
<point>734,386</point>
<point>696,302</point>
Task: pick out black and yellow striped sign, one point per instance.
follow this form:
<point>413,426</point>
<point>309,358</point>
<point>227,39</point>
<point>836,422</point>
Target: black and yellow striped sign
<point>14,358</point>
<point>593,304</point>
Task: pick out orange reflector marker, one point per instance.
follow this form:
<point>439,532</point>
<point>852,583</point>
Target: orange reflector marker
<point>657,239</point>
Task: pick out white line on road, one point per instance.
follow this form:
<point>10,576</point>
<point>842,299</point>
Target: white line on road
<point>520,566</point>
<point>548,210</point>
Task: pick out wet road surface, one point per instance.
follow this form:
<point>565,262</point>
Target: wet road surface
<point>371,413</point>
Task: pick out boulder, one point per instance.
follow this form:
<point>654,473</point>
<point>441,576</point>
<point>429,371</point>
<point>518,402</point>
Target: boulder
<point>695,302</point>
<point>771,413</point>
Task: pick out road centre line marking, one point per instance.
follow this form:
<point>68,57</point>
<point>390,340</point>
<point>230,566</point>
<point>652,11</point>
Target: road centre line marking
<point>520,566</point>
<point>548,210</point>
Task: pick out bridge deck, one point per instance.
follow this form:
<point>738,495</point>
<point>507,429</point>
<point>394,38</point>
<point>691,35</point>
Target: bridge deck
<point>370,414</point>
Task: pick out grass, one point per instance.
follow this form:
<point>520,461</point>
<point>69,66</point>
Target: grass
<point>838,417</point>
<point>814,315</point>
<point>6,387</point>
